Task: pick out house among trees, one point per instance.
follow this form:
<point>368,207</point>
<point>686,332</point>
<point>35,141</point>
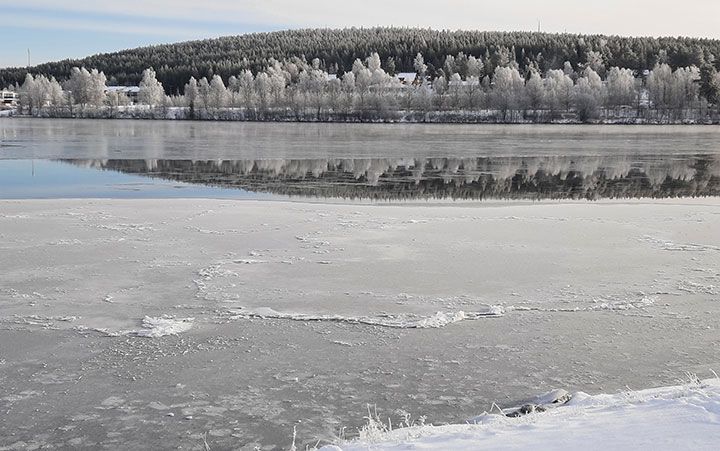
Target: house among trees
<point>131,92</point>
<point>9,99</point>
<point>407,78</point>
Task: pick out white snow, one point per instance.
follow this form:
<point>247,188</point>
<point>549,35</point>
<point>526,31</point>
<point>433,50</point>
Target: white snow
<point>669,418</point>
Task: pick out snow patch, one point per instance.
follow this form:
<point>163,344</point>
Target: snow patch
<point>668,418</point>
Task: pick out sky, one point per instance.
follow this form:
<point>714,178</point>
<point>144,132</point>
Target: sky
<point>59,29</point>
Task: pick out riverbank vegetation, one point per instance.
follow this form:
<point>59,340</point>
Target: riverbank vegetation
<point>461,91</point>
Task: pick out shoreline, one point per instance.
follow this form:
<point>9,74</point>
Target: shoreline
<point>402,121</point>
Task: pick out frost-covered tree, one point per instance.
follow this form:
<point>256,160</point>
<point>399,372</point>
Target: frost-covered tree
<point>192,95</point>
<point>374,63</point>
<point>620,87</point>
<point>277,83</point>
<point>246,89</point>
<point>27,90</point>
<point>535,91</point>
<point>710,84</point>
<point>218,95</point>
<point>97,89</point>
<point>659,84</point>
<point>474,67</point>
<point>449,67</point>
<point>420,67</point>
<point>151,90</point>
<point>422,98</point>
<point>203,99</point>
<point>595,61</point>
<point>57,96</point>
<point>507,92</point>
<point>363,80</point>
<point>474,92</point>
<point>86,88</point>
<point>440,86</point>
<point>559,90</point>
<point>456,91</point>
<point>262,90</point>
<point>312,83</point>
<point>588,95</point>
<point>685,87</point>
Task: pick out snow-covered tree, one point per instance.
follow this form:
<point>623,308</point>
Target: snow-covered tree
<point>86,88</point>
<point>192,94</point>
<point>659,84</point>
<point>96,90</point>
<point>456,91</point>
<point>218,95</point>
<point>559,90</point>
<point>440,86</point>
<point>474,67</point>
<point>507,91</point>
<point>262,90</point>
<point>246,89</point>
<point>374,63</point>
<point>203,99</point>
<point>620,87</point>
<point>535,91</point>
<point>420,67</point>
<point>588,94</point>
<point>151,90</point>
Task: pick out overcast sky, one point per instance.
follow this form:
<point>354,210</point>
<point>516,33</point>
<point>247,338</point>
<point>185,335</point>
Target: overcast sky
<point>57,29</point>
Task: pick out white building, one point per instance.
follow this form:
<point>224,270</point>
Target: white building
<point>406,78</point>
<point>9,99</point>
<point>130,91</point>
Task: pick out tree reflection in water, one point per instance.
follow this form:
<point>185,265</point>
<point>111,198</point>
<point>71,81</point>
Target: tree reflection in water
<point>531,178</point>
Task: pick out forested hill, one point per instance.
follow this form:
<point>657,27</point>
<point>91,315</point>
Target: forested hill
<point>397,47</point>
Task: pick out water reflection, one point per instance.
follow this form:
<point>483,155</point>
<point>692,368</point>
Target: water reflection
<point>559,177</point>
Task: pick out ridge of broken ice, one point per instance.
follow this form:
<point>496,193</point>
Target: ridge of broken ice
<point>398,321</point>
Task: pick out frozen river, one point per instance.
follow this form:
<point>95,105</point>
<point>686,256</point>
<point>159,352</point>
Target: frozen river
<point>163,284</point>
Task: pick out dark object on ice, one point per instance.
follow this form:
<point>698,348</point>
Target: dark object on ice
<point>542,403</point>
<point>557,396</point>
<point>526,409</point>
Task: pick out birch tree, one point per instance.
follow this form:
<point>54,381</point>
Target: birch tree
<point>151,90</point>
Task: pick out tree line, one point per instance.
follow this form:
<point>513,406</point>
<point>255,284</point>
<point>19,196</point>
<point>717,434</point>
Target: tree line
<point>461,91</point>
<point>337,50</point>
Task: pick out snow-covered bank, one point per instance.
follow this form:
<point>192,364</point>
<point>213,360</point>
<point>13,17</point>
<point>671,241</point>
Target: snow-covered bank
<point>669,418</point>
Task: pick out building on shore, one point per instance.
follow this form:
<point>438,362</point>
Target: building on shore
<point>130,91</point>
<point>9,99</point>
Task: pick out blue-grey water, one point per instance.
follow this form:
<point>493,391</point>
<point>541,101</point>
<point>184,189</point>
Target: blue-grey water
<point>49,179</point>
<point>165,159</point>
